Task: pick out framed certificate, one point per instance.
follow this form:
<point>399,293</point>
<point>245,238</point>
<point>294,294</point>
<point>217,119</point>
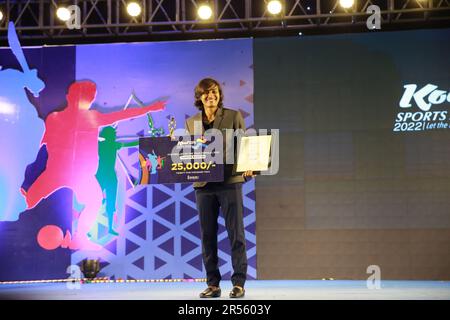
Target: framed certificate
<point>254,153</point>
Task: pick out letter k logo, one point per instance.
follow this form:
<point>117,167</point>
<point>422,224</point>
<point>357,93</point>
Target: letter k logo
<point>418,96</point>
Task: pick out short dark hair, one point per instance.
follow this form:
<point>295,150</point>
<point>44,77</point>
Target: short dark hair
<point>204,85</point>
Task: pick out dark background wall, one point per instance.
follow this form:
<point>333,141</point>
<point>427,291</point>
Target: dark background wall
<point>350,192</point>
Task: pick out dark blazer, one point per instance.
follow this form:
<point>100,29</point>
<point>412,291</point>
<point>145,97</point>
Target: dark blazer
<point>225,119</point>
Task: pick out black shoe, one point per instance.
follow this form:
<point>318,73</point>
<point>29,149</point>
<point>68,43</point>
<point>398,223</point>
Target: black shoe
<point>237,292</point>
<point>211,292</point>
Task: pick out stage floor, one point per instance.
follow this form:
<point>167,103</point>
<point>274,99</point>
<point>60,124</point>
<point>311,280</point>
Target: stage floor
<point>255,290</point>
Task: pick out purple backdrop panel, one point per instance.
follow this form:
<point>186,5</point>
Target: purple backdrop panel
<point>159,234</point>
<point>22,256</point>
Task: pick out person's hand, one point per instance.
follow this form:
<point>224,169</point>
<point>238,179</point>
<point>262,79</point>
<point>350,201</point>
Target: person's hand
<point>248,174</point>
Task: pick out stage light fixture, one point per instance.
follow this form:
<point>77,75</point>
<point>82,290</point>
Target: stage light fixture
<point>346,4</point>
<point>134,9</point>
<point>63,14</point>
<point>204,11</point>
<point>274,7</point>
<point>1,15</point>
<point>90,268</point>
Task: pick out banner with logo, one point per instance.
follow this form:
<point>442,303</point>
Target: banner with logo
<point>166,160</point>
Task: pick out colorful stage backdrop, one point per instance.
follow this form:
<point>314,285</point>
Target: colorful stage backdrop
<point>155,232</point>
<point>364,156</point>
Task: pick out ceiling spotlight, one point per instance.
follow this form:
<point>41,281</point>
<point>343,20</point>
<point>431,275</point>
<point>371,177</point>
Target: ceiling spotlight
<point>274,7</point>
<point>346,4</point>
<point>63,14</point>
<point>134,9</point>
<point>204,12</point>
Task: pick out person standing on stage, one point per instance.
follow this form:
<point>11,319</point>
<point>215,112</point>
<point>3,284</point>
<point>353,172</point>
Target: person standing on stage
<point>214,195</point>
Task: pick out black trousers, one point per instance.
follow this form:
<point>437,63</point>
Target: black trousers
<point>228,197</point>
